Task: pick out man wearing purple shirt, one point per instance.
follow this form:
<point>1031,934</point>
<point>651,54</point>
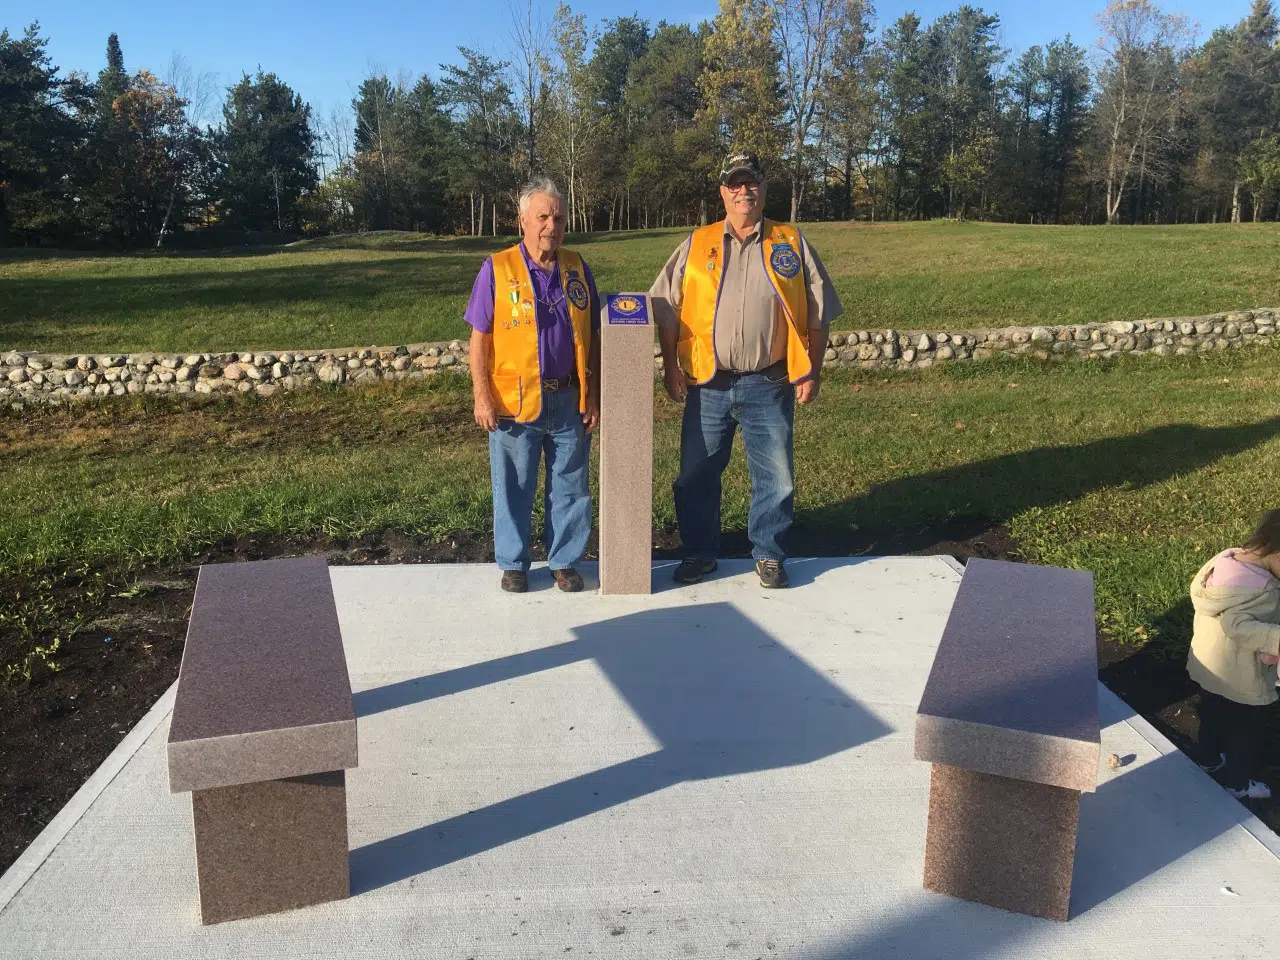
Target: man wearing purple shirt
<point>565,386</point>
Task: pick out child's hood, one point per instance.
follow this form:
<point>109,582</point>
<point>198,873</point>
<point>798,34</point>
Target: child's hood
<point>1213,600</point>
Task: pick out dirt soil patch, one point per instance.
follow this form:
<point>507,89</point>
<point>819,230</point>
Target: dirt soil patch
<point>58,727</point>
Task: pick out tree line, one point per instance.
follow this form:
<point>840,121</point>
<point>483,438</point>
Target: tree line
<point>911,120</point>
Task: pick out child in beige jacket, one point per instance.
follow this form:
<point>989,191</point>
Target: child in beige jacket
<point>1235,647</point>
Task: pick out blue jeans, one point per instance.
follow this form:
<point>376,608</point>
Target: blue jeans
<point>515,449</point>
<point>765,411</point>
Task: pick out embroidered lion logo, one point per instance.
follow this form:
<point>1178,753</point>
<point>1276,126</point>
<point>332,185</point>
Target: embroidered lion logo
<point>785,261</point>
<point>577,293</point>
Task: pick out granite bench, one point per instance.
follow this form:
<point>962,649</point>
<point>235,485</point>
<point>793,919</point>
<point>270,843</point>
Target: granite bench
<point>261,735</point>
<point>1009,720</point>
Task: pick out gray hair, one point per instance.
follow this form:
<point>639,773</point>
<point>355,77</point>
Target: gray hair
<point>536,186</point>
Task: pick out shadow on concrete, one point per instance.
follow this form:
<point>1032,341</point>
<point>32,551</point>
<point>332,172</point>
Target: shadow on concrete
<point>721,695</point>
<point>801,571</point>
<point>1135,825</point>
<point>1142,821</point>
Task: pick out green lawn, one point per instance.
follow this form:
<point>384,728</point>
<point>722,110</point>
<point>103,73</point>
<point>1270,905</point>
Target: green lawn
<point>1136,477</point>
<point>398,288</point>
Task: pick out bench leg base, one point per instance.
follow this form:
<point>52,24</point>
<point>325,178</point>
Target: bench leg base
<point>271,846</point>
<point>1003,842</point>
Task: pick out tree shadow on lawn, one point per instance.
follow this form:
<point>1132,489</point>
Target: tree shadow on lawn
<point>346,285</point>
<point>196,245</point>
<point>392,242</point>
<point>589,240</point>
<point>905,514</point>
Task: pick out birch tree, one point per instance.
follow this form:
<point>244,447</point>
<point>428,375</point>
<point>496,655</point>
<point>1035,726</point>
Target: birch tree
<point>1138,91</point>
<point>571,117</point>
<point>530,61</point>
<point>806,35</point>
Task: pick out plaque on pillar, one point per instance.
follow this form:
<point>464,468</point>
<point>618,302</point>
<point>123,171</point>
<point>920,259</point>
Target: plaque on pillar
<point>626,444</point>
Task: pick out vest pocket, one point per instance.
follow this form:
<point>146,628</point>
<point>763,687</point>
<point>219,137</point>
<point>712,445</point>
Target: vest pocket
<point>508,394</point>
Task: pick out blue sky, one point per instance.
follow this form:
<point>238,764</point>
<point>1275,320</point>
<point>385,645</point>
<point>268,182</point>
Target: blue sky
<point>323,48</point>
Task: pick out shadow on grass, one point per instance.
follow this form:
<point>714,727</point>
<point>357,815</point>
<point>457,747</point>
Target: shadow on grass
<point>338,287</point>
<point>1153,677</point>
<point>592,239</point>
<point>202,244</point>
<point>907,514</point>
<point>393,241</point>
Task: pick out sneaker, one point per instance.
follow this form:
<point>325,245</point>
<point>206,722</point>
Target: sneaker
<point>1214,767</point>
<point>1254,790</point>
<point>772,574</point>
<point>692,570</point>
<point>568,580</point>
<point>515,581</point>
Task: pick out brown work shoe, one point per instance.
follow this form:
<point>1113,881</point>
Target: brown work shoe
<point>515,581</point>
<point>772,574</point>
<point>568,580</point>
<point>692,570</point>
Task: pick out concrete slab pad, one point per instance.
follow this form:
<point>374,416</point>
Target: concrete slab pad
<point>712,771</point>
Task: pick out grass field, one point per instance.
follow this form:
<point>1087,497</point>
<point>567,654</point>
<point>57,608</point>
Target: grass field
<point>1138,478</point>
<point>400,288</point>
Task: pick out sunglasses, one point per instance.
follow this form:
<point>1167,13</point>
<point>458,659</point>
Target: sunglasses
<point>737,186</point>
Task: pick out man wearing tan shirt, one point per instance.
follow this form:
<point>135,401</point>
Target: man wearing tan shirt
<point>742,308</point>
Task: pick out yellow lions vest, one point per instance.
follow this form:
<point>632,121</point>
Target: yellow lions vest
<point>780,249</point>
<point>515,368</point>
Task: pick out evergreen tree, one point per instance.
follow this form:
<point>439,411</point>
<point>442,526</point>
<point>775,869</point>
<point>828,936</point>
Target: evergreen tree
<point>905,114</point>
<point>674,156</point>
<point>849,102</point>
<point>620,46</point>
<point>480,102</point>
<point>265,153</point>
<point>112,79</point>
<point>1234,81</point>
<point>110,197</point>
<point>38,133</point>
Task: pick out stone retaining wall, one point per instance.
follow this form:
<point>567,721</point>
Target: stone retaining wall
<point>42,378</point>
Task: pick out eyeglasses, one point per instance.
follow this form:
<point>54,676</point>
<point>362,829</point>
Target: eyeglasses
<point>738,186</point>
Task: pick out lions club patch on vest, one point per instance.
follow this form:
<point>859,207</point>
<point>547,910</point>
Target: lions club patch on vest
<point>784,260</point>
<point>576,290</point>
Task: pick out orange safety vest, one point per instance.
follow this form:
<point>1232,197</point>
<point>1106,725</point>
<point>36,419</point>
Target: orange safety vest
<point>515,369</point>
<point>700,297</point>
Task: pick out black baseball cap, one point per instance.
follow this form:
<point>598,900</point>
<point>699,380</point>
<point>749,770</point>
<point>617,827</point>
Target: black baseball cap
<point>741,163</point>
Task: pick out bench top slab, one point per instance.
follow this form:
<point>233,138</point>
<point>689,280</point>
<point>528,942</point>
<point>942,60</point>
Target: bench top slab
<point>1014,685</point>
<point>263,692</point>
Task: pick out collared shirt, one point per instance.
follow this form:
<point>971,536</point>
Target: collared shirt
<point>551,311</point>
<point>750,327</point>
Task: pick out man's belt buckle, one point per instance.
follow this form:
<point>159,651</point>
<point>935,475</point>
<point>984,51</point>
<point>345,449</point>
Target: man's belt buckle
<point>551,386</point>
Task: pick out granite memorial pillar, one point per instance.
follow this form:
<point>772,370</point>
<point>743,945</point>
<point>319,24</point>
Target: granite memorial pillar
<point>626,444</point>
